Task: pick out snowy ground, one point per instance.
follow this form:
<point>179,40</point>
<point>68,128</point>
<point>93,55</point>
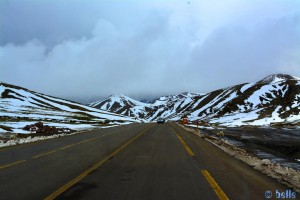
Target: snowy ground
<point>17,126</point>
<point>11,127</point>
<point>29,139</point>
<point>79,127</point>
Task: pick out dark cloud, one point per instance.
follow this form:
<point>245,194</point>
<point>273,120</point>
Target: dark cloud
<point>48,21</point>
<point>240,54</point>
<point>84,50</point>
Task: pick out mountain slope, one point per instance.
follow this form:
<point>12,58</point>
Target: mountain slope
<point>19,105</point>
<point>124,105</point>
<point>274,99</point>
<point>165,106</point>
<point>173,105</point>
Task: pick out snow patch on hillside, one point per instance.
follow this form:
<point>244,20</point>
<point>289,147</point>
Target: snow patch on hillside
<point>237,119</point>
<point>246,86</point>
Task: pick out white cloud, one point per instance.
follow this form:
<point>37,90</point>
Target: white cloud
<point>158,48</point>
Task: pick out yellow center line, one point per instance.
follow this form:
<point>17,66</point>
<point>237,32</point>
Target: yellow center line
<point>84,141</point>
<point>187,148</point>
<point>91,169</point>
<point>70,145</point>
<point>62,148</point>
<point>40,141</point>
<point>44,154</point>
<point>217,189</point>
<point>12,164</point>
<point>221,195</point>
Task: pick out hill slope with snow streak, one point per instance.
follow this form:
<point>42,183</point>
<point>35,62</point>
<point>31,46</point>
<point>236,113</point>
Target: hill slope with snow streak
<point>274,99</point>
<point>20,106</point>
<point>123,105</point>
<point>165,106</point>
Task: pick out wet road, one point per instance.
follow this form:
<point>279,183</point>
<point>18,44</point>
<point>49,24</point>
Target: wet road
<point>138,161</point>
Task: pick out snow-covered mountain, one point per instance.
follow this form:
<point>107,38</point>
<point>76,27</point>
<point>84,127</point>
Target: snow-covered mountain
<point>173,105</point>
<point>274,99</point>
<point>163,107</point>
<point>20,106</point>
<point>124,105</point>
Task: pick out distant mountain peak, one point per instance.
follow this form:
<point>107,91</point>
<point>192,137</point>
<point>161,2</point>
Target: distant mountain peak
<point>191,94</point>
<point>118,95</point>
<point>277,77</point>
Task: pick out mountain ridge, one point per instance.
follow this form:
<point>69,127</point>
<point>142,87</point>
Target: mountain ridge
<point>273,100</point>
<point>20,107</point>
<point>277,93</point>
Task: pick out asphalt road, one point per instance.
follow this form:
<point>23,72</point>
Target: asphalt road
<point>135,162</point>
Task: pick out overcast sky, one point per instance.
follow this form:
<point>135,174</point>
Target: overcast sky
<point>82,49</point>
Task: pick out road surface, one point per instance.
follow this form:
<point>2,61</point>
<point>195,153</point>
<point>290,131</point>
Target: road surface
<point>135,162</point>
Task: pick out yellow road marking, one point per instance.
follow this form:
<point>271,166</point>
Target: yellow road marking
<point>214,185</point>
<point>93,168</point>
<point>11,164</point>
<point>44,154</point>
<point>39,141</point>
<point>84,141</point>
<point>68,146</point>
<point>187,148</point>
<point>62,148</point>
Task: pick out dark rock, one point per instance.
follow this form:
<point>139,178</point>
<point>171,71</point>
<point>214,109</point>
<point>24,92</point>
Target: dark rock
<point>42,129</point>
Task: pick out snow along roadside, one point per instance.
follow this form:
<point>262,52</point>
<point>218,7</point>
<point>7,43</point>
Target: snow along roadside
<point>30,139</point>
<point>285,175</point>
